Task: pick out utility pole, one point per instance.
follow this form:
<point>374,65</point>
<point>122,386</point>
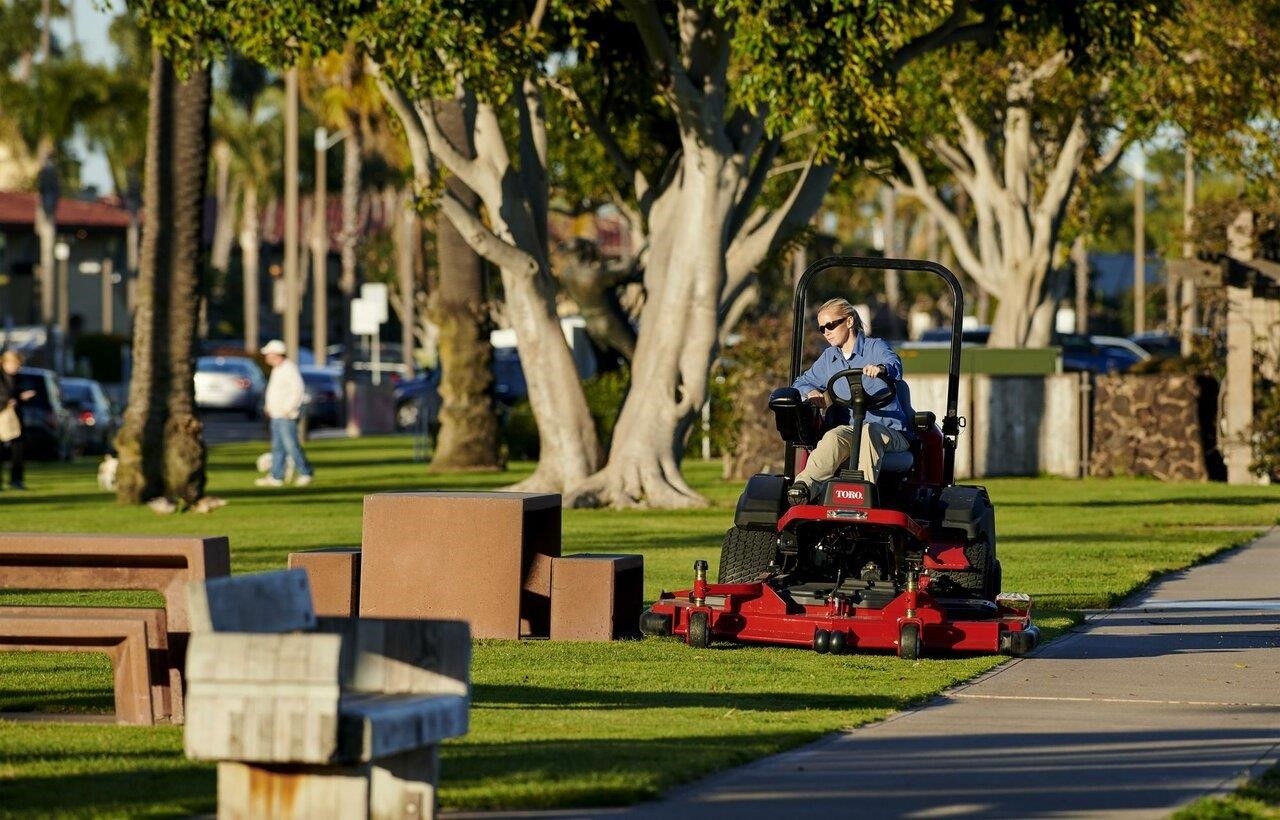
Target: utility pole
<point>291,307</point>
<point>1189,318</point>
<point>1140,244</point>
<point>320,244</point>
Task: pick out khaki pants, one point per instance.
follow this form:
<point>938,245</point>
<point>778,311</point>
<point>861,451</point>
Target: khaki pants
<point>832,452</point>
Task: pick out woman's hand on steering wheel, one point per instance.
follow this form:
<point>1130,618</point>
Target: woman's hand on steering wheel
<point>857,391</point>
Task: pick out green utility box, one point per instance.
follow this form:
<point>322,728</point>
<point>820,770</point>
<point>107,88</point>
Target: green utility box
<point>991,361</point>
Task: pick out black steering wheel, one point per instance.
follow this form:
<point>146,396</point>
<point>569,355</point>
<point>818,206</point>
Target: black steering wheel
<point>858,399</point>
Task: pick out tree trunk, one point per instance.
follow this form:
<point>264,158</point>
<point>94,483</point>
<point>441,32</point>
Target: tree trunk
<point>250,249</point>
<point>225,191</point>
<point>161,446</point>
<point>676,345</point>
<point>468,437</point>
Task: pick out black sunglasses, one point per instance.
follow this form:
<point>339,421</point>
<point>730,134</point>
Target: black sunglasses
<point>832,325</point>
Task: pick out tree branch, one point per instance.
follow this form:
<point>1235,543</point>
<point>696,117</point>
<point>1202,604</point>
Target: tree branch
<point>951,224</point>
<point>419,147</point>
<point>533,152</point>
<point>484,241</point>
<point>753,184</point>
<point>950,31</point>
<point>748,249</point>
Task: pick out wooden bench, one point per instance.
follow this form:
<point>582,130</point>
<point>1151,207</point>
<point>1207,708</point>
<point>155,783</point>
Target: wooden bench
<point>142,677</point>
<point>319,717</point>
<point>159,563</point>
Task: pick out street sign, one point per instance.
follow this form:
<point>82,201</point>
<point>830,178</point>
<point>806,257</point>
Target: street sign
<point>364,317</point>
<point>375,295</point>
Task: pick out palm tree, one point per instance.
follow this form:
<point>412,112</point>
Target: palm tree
<point>161,444</point>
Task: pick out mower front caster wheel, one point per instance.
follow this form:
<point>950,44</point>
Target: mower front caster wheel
<point>655,623</point>
<point>699,630</point>
<point>909,642</point>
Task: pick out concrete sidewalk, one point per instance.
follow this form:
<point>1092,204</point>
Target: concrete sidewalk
<point>1142,709</point>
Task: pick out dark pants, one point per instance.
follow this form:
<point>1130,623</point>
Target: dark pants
<point>13,450</point>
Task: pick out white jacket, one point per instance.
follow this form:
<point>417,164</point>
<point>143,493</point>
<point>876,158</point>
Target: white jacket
<point>285,391</point>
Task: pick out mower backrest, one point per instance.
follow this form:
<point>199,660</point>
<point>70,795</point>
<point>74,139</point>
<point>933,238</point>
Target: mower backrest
<point>928,467</point>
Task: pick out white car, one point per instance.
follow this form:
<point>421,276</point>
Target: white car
<point>230,383</point>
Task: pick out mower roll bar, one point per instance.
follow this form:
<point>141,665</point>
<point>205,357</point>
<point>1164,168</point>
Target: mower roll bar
<point>951,419</point>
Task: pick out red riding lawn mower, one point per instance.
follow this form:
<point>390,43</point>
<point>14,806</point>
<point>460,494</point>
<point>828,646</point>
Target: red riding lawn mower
<point>905,564</point>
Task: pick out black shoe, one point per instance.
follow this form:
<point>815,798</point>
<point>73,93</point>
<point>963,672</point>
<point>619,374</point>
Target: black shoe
<point>17,485</point>
<point>798,493</point>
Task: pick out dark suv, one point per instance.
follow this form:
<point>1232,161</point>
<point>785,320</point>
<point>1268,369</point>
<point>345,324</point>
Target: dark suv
<point>48,428</point>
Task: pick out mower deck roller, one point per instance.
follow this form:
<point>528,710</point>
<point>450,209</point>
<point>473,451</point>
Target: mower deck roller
<point>906,564</point>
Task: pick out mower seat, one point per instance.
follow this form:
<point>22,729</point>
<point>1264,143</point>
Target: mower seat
<point>899,463</point>
<point>799,422</point>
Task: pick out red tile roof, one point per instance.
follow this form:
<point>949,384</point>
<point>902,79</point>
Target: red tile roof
<point>18,208</point>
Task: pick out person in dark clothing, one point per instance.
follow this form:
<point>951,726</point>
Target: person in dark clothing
<point>10,361</point>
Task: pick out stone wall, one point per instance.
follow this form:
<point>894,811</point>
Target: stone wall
<point>1158,425</point>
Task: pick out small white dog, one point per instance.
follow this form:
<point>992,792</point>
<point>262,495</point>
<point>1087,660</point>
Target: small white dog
<point>264,466</point>
<point>107,473</point>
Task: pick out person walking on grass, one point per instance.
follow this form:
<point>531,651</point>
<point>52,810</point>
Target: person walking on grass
<point>283,405</point>
<point>12,399</point>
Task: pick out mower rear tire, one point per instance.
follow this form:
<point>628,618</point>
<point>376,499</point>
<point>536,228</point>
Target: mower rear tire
<point>746,555</point>
<point>699,630</point>
<point>909,642</point>
<point>983,580</point>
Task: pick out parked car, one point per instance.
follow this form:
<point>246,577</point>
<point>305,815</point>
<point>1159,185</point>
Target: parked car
<point>968,336</point>
<point>1165,345</point>
<point>324,396</point>
<point>390,365</point>
<point>422,392</point>
<point>1113,343</point>
<point>47,426</point>
<point>417,400</point>
<point>96,421</point>
<point>1096,354</point>
<point>229,383</point>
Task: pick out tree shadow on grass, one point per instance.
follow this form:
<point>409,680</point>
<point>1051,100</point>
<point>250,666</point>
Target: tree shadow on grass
<point>153,791</point>
<point>500,696</point>
<point>539,774</point>
<point>1070,500</point>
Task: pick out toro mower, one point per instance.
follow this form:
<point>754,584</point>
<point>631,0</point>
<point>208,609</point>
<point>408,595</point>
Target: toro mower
<point>906,563</point>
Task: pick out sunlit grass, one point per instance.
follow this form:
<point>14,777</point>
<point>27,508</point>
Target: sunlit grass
<point>558,724</point>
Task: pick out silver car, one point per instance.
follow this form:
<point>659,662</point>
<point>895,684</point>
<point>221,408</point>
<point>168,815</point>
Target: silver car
<point>229,383</point>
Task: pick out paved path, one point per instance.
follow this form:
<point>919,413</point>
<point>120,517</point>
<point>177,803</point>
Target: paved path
<point>1144,708</point>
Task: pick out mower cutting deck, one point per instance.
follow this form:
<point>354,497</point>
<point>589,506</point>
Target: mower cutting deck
<point>905,564</point>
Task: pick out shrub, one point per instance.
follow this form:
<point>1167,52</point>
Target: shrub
<point>605,394</point>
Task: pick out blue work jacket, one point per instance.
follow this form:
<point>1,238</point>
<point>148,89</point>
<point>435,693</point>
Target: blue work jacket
<point>897,414</point>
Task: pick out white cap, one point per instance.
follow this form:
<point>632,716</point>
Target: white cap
<point>274,346</point>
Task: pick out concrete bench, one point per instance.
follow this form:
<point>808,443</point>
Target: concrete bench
<point>319,717</point>
<point>481,557</point>
<point>334,575</point>
<point>159,563</point>
<point>100,629</point>
<point>596,596</point>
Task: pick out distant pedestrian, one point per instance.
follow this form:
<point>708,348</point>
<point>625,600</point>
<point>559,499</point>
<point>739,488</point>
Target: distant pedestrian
<point>283,406</point>
<point>12,399</point>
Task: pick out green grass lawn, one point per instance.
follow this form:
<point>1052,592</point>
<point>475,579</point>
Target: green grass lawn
<point>557,724</point>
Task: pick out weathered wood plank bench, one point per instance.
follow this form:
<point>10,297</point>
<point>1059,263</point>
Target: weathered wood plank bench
<point>107,629</point>
<point>319,717</point>
<point>163,564</point>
